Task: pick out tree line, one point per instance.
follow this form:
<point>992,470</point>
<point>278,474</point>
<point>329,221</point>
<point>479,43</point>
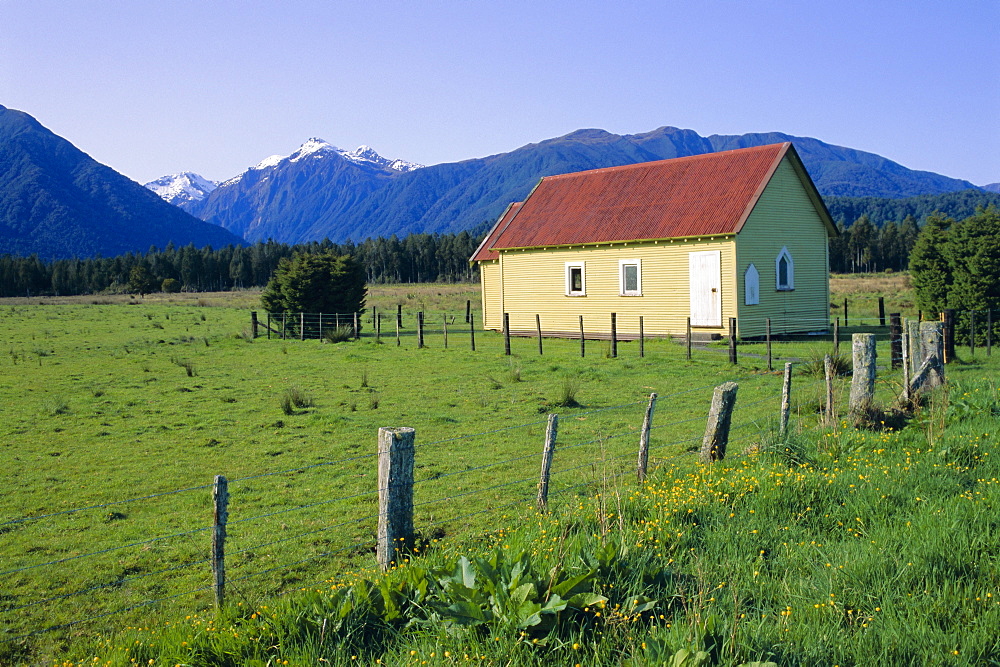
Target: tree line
<point>415,258</point>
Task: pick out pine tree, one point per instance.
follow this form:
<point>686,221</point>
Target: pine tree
<point>930,268</point>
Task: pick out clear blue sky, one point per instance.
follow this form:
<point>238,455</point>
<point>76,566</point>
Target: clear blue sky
<point>152,88</point>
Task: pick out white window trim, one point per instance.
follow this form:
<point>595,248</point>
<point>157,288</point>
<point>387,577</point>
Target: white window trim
<point>790,285</point>
<point>622,263</point>
<point>751,286</point>
<point>583,278</point>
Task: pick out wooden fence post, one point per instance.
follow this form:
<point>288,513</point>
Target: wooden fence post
<point>321,326</point>
<point>399,316</point>
<point>547,452</point>
<point>398,342</point>
<point>538,328</point>
<point>767,335</point>
<point>905,352</point>
<point>846,324</point>
<point>687,339</point>
<point>583,345</point>
<point>302,326</point>
<point>444,330</point>
<point>931,371</point>
<point>647,423</point>
<point>420,329</point>
<point>831,413</point>
<point>357,328</point>
<point>948,317</point>
<point>220,516</point>
<point>284,326</point>
<point>614,335</point>
<point>642,339</point>
<point>506,334</point>
<point>836,337</point>
<point>378,327</point>
<point>733,357</point>
<point>720,416</point>
<point>395,493</point>
<point>863,376</point>
<point>786,400</point>
<point>472,330</point>
<point>915,346</point>
<point>881,311</point>
<point>468,309</point>
<point>253,323</point>
<point>269,326</point>
<point>895,340</point>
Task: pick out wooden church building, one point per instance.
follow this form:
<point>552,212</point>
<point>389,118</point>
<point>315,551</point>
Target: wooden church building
<point>740,233</point>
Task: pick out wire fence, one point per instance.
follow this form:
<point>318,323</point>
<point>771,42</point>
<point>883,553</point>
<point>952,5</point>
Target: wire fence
<point>273,534</point>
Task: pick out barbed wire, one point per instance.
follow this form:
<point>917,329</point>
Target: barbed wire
<point>303,468</point>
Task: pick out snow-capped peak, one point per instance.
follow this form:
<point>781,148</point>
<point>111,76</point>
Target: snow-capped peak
<point>368,154</point>
<point>315,146</point>
<point>181,188</point>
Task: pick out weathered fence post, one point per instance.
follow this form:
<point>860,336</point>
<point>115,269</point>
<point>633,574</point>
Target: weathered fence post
<point>284,326</point>
<point>687,339</point>
<point>642,339</point>
<point>378,327</point>
<point>732,341</point>
<point>398,342</point>
<point>420,329</point>
<point>786,400</point>
<point>302,326</point>
<point>583,345</point>
<point>895,340</point>
<point>863,376</point>
<point>395,493</point>
<point>647,423</point>
<point>881,311</point>
<point>836,336</point>
<point>915,346</point>
<point>472,331</point>
<point>269,326</point>
<point>767,336</point>
<point>547,452</point>
<point>538,328</point>
<point>444,330</point>
<point>253,323</point>
<point>506,334</point>
<point>931,371</point>
<point>846,324</point>
<point>948,317</point>
<point>399,316</point>
<point>220,516</point>
<point>614,335</point>
<point>468,309</point>
<point>831,414</point>
<point>720,416</point>
<point>357,328</point>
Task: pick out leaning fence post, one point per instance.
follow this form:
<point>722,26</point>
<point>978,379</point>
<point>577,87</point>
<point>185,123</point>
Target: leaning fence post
<point>220,515</point>
<point>472,330</point>
<point>253,323</point>
<point>538,328</point>
<point>395,493</point>
<point>786,400</point>
<point>506,334</point>
<point>647,423</point>
<point>767,335</point>
<point>614,335</point>
<point>720,416</point>
<point>547,452</point>
<point>863,376</point>
<point>831,414</point>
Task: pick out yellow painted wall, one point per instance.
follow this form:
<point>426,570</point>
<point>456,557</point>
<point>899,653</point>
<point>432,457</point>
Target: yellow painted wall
<point>534,281</point>
<point>784,216</point>
<point>492,317</point>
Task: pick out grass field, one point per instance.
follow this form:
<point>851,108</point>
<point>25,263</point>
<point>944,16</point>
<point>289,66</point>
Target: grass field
<point>108,402</point>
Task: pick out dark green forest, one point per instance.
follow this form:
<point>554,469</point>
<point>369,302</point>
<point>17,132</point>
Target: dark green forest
<point>876,235</point>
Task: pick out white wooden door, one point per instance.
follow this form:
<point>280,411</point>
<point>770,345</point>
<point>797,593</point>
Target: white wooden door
<point>705,278</point>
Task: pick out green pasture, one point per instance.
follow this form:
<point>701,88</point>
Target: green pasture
<point>103,404</point>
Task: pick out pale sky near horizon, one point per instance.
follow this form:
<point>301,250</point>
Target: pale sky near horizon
<point>152,88</point>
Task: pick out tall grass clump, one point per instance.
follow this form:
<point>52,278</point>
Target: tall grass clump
<point>340,334</point>
<point>293,398</point>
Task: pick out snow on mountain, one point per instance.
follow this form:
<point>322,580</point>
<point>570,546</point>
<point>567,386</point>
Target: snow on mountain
<point>316,148</point>
<point>181,188</point>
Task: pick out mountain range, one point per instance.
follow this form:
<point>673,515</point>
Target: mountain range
<point>320,191</point>
<point>57,201</point>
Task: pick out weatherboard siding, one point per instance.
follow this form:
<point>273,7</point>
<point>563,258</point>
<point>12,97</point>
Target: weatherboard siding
<point>492,294</point>
<point>784,216</point>
<point>533,281</point>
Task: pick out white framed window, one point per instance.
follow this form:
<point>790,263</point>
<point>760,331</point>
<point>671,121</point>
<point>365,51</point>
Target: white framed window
<point>784,271</point>
<point>751,286</point>
<point>630,277</point>
<point>576,279</point>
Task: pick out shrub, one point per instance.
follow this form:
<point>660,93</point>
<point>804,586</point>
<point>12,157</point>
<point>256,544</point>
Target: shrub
<point>170,286</point>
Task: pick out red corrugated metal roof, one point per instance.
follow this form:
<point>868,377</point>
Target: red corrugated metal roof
<point>702,195</point>
<point>485,249</point>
